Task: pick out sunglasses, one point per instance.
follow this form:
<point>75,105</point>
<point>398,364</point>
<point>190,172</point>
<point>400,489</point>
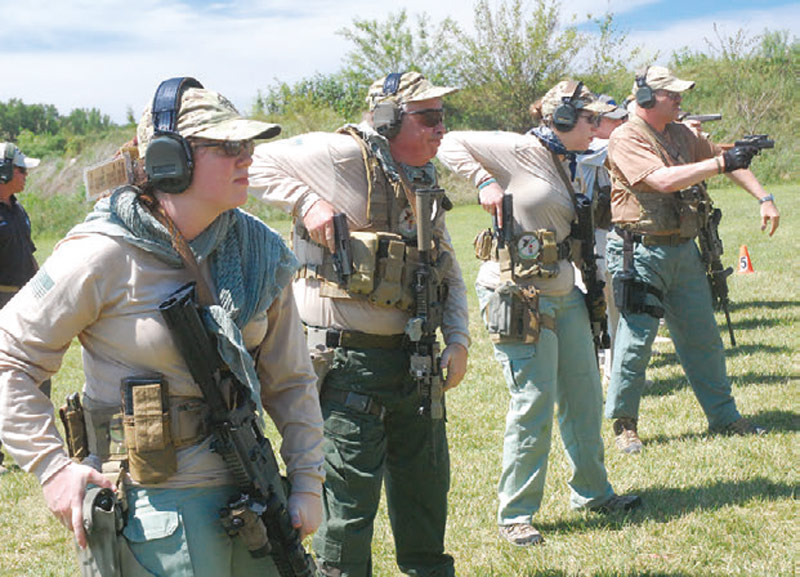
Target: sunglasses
<point>232,148</point>
<point>590,117</point>
<point>670,94</point>
<point>430,117</point>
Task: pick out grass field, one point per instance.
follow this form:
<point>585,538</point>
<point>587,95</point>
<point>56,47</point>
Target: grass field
<point>713,505</point>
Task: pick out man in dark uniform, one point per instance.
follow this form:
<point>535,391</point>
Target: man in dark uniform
<point>17,264</point>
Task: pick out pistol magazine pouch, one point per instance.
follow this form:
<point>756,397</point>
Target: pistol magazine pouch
<point>75,432</point>
<point>151,452</point>
<point>365,250</point>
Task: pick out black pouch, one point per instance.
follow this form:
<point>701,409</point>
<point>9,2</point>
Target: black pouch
<point>151,452</point>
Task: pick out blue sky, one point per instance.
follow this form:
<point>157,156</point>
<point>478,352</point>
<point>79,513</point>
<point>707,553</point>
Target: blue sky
<point>111,54</point>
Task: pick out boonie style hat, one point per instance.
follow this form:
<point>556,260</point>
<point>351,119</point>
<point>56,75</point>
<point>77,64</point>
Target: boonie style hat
<point>207,114</point>
<point>413,87</point>
<point>660,78</point>
<point>564,89</point>
<point>618,113</point>
<point>8,148</point>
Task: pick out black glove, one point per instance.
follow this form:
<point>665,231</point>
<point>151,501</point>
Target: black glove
<point>738,157</point>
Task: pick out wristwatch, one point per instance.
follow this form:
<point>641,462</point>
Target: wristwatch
<point>767,198</point>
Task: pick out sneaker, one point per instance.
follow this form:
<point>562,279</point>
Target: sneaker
<point>743,427</point>
<point>618,503</point>
<point>627,440</point>
<point>521,534</point>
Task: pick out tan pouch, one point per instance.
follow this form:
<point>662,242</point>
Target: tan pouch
<point>390,273</point>
<point>545,262</point>
<point>483,244</point>
<point>692,208</point>
<point>151,451</point>
<point>511,315</point>
<point>365,252</point>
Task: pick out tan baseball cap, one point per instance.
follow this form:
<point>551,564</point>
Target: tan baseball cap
<point>660,78</point>
<point>565,89</point>
<point>412,87</point>
<point>207,114</point>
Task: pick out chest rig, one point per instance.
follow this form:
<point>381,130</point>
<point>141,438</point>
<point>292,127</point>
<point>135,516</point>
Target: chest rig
<point>683,212</point>
<point>384,252</point>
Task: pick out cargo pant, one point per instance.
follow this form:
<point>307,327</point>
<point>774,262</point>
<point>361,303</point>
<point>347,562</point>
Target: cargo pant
<point>678,272</point>
<point>365,450</point>
<point>560,369</point>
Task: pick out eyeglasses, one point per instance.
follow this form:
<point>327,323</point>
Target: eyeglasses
<point>590,117</point>
<point>232,148</point>
<point>671,95</point>
<point>430,117</point>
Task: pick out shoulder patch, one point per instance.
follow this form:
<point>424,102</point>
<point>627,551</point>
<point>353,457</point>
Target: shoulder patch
<point>41,283</point>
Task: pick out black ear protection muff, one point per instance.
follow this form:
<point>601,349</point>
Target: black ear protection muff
<point>387,114</point>
<point>168,159</point>
<point>565,116</point>
<point>7,163</point>
<point>645,97</point>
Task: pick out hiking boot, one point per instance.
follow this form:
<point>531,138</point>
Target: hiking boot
<point>618,503</point>
<point>521,534</point>
<point>743,427</point>
<point>627,440</point>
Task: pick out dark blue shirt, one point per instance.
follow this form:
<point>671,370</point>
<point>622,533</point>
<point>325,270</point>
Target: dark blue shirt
<point>17,264</point>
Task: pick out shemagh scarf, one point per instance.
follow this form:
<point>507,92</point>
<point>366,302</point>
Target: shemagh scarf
<point>249,262</point>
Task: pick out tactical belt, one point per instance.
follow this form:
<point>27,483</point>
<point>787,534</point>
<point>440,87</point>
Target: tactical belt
<point>653,239</point>
<point>4,288</point>
<point>356,401</point>
<point>333,338</point>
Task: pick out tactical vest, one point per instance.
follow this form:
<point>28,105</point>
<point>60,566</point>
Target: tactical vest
<point>684,210</point>
<point>385,254</point>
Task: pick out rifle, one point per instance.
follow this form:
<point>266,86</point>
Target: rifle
<point>710,252</point>
<point>700,117</point>
<point>343,255</point>
<point>583,230</point>
<point>425,361</point>
<point>259,512</point>
<point>504,232</point>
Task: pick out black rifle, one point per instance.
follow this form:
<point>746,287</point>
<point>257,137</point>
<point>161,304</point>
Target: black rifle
<point>710,252</point>
<point>701,117</point>
<point>758,141</point>
<point>259,512</point>
<point>424,361</point>
<point>343,255</point>
<point>583,230</point>
<point>504,231</point>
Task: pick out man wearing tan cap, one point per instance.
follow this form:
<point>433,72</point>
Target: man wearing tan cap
<point>658,167</point>
<point>381,426</point>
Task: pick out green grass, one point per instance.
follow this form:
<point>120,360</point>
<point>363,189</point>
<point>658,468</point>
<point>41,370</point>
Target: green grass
<point>714,505</point>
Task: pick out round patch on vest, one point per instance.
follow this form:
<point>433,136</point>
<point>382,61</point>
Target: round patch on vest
<point>407,224</point>
<point>528,247</point>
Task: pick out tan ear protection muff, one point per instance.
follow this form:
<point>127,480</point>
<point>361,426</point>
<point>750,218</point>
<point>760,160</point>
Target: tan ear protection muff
<point>7,162</point>
<point>645,97</point>
<point>565,116</point>
<point>388,113</point>
<point>168,159</point>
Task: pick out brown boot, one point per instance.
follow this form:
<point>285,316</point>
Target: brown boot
<point>627,440</point>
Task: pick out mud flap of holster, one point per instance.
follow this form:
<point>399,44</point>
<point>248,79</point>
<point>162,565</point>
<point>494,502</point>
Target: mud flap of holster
<point>107,553</point>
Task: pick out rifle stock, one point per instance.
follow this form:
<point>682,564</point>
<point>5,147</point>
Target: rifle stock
<point>259,513</point>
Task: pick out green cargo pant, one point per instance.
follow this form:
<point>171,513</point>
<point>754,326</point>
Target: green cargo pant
<point>364,446</point>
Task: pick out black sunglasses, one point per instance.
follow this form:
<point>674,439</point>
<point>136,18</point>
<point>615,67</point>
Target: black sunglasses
<point>232,148</point>
<point>430,117</point>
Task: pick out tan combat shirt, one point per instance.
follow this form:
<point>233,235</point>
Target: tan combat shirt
<point>524,168</point>
<point>634,154</point>
<point>293,174</point>
<point>106,292</point>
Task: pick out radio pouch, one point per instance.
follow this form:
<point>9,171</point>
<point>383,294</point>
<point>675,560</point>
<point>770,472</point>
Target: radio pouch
<point>511,315</point>
<point>151,451</point>
<point>391,256</point>
<point>365,251</point>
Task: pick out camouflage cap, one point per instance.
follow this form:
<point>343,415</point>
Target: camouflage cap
<point>565,89</point>
<point>413,87</point>
<point>10,150</point>
<point>660,78</point>
<point>207,114</point>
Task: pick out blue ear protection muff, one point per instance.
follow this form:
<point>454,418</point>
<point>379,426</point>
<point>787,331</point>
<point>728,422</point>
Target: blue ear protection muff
<point>168,159</point>
<point>387,114</point>
<point>565,116</point>
<point>645,97</point>
<point>7,163</point>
